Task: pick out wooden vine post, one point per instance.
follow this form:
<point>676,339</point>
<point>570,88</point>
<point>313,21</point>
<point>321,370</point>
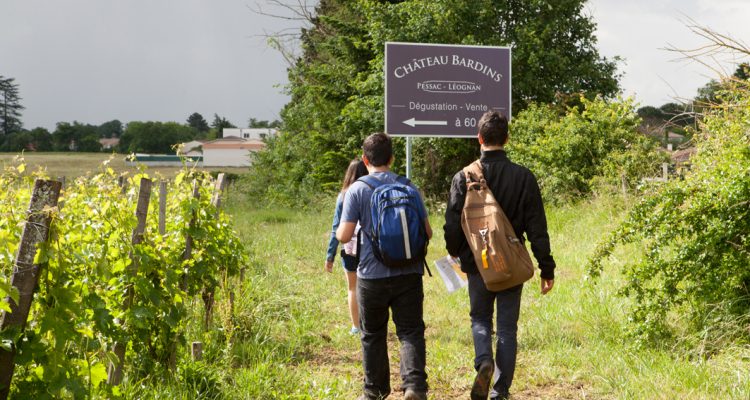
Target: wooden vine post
<point>197,351</point>
<point>218,189</point>
<point>25,272</point>
<point>114,375</point>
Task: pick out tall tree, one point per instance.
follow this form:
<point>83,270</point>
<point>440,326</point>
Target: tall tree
<point>743,71</point>
<point>218,125</point>
<point>37,139</point>
<point>262,123</point>
<point>10,106</point>
<point>336,85</point>
<point>110,129</point>
<point>197,122</point>
<point>76,137</point>
<point>154,137</point>
<point>41,139</point>
<point>711,93</point>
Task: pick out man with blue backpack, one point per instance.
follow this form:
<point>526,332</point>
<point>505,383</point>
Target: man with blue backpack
<point>395,232</point>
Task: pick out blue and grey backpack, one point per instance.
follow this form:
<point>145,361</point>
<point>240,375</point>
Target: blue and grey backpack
<point>398,233</point>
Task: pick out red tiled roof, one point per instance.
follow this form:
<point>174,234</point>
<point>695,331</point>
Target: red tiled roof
<point>681,156</point>
<point>240,146</point>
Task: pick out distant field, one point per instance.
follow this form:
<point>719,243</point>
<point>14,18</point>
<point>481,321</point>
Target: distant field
<point>76,164</point>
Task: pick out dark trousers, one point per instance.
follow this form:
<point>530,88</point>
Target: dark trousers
<point>482,307</point>
<point>403,295</point>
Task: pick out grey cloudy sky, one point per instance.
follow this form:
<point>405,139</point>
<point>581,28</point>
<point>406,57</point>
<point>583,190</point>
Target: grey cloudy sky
<point>97,60</point>
<point>638,30</point>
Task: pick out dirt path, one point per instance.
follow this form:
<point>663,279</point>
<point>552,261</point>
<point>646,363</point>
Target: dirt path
<point>347,362</point>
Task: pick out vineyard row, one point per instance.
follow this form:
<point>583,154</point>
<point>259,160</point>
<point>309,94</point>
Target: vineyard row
<point>98,284</point>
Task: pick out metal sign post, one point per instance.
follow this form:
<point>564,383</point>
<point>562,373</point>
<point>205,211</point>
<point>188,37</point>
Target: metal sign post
<point>408,157</point>
<point>438,90</point>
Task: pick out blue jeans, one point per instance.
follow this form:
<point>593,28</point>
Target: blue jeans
<point>482,307</point>
<point>404,296</point>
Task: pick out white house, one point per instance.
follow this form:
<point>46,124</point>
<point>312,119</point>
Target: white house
<point>109,143</point>
<point>249,133</point>
<point>230,151</point>
<point>192,148</point>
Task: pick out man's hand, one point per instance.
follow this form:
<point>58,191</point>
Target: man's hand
<point>329,266</point>
<point>547,285</point>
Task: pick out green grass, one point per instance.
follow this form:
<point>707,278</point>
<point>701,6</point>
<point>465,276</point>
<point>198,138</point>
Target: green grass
<point>289,329</point>
<point>71,165</point>
<point>291,336</point>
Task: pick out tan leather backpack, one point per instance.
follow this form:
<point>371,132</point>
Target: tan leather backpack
<point>501,258</point>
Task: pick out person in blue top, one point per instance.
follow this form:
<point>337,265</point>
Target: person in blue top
<point>381,289</point>
<point>355,170</point>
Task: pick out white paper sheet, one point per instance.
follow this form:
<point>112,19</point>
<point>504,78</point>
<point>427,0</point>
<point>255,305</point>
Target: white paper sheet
<point>449,268</point>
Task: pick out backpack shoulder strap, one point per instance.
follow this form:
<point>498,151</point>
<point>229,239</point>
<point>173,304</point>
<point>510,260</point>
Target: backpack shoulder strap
<point>403,180</point>
<point>359,244</point>
<point>473,172</point>
<point>370,181</point>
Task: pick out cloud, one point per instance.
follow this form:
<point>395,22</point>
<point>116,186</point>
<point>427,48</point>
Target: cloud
<point>639,31</point>
<point>94,61</point>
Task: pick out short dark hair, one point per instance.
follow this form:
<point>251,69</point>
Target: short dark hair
<point>493,128</point>
<point>378,149</point>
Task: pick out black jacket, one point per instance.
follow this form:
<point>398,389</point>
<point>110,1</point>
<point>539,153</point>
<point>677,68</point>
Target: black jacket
<point>516,190</point>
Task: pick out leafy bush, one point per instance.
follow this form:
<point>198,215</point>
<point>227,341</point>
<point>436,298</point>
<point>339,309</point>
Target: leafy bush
<point>590,147</point>
<point>696,237</point>
<point>154,137</point>
<point>439,159</point>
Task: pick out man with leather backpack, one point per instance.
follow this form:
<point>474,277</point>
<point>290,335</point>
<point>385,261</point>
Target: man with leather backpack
<point>517,194</point>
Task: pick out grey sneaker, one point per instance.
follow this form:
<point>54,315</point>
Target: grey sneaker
<point>481,388</point>
<point>412,394</point>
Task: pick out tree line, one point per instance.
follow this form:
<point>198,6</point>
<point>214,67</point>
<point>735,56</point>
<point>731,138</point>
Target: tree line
<point>134,137</point>
<point>678,118</point>
<point>336,84</point>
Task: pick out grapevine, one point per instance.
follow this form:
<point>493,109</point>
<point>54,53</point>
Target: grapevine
<point>97,288</point>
